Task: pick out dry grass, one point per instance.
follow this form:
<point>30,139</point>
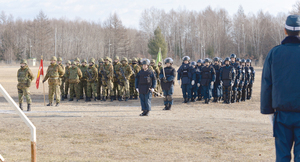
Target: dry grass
<point>105,131</point>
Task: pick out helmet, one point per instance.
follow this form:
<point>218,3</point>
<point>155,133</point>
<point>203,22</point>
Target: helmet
<point>238,60</point>
<point>107,58</point>
<point>92,60</point>
<point>77,59</point>
<point>130,61</point>
<point>221,60</point>
<point>233,55</point>
<point>145,61</point>
<point>194,63</point>
<point>216,59</point>
<point>68,62</point>
<point>134,60</point>
<point>23,61</point>
<point>73,63</point>
<point>59,59</point>
<point>116,58</point>
<point>199,61</point>
<point>207,60</point>
<point>248,60</point>
<point>124,59</point>
<point>243,61</point>
<point>227,59</point>
<point>152,61</point>
<point>100,60</point>
<point>168,60</point>
<point>53,58</point>
<point>84,61</point>
<point>186,58</point>
<point>139,59</point>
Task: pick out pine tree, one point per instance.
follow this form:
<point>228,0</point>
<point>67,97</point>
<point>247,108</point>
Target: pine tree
<point>158,41</point>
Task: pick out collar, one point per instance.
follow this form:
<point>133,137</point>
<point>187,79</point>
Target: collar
<point>291,39</point>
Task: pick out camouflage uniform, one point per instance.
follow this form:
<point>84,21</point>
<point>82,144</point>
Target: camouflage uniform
<point>99,83</point>
<point>135,68</point>
<point>159,90</point>
<point>92,77</point>
<point>156,73</point>
<point>62,79</point>
<point>74,74</point>
<point>68,64</point>
<point>83,83</point>
<point>25,77</point>
<point>107,73</point>
<point>116,82</point>
<point>54,72</point>
<point>77,61</point>
<point>125,74</point>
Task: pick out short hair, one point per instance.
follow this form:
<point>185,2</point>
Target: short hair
<point>292,33</point>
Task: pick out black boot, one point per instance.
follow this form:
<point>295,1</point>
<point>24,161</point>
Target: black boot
<point>126,98</point>
<point>62,97</point>
<point>66,96</point>
<point>98,98</point>
<point>111,98</point>
<point>28,107</point>
<point>20,105</point>
<point>95,99</point>
<point>193,99</point>
<point>103,98</point>
<point>57,104</point>
<point>86,99</point>
<point>185,100</point>
<point>115,97</point>
<point>136,97</point>
<point>131,97</point>
<point>120,98</point>
<point>89,99</point>
<point>143,113</point>
<point>169,107</point>
<point>49,104</point>
<point>81,97</point>
<point>166,107</point>
<point>71,99</point>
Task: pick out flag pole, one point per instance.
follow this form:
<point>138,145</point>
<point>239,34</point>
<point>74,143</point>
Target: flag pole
<point>162,62</point>
<point>43,83</point>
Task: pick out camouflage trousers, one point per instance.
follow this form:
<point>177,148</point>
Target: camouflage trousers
<point>124,88</point>
<point>107,86</point>
<point>62,87</point>
<point>67,87</point>
<point>74,90</point>
<point>91,88</point>
<point>24,92</point>
<point>132,89</point>
<point>83,87</point>
<point>54,89</point>
<point>99,86</point>
<point>116,89</point>
<point>158,87</point>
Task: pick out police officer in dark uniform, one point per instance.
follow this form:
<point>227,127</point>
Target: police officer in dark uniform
<point>145,82</point>
<point>194,72</point>
<point>208,77</point>
<point>247,77</point>
<point>184,74</point>
<point>241,82</point>
<point>227,77</point>
<point>167,76</point>
<point>237,77</point>
<point>251,79</point>
<point>217,86</point>
<point>198,69</point>
<point>280,91</point>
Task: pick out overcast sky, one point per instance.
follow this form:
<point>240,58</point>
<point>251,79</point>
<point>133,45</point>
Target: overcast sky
<point>130,10</point>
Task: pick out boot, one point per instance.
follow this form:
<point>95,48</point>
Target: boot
<point>131,97</point>
<point>71,99</point>
<point>57,104</point>
<point>81,97</point>
<point>98,98</point>
<point>126,98</point>
<point>86,99</point>
<point>143,113</point>
<point>95,99</point>
<point>77,100</point>
<point>49,104</point>
<point>208,100</point>
<point>166,107</point>
<point>215,99</point>
<point>106,97</point>
<point>198,99</point>
<point>62,97</point>
<point>28,107</point>
<point>169,107</point>
<point>115,97</point>
<point>185,100</point>
<point>120,98</point>
<point>193,99</point>
<point>20,105</point>
<point>111,98</point>
<point>89,99</point>
<point>66,96</point>
<point>103,98</point>
<point>136,97</point>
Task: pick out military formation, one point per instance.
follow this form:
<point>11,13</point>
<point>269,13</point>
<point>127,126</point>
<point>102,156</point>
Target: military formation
<point>230,80</point>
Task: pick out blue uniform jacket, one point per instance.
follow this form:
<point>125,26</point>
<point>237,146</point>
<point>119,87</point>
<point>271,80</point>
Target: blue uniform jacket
<point>180,73</point>
<point>169,78</point>
<point>138,76</point>
<point>280,88</point>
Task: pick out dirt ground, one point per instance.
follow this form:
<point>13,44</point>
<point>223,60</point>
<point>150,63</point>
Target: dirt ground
<point>114,131</point>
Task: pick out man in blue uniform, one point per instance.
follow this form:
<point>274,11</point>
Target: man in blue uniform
<point>208,77</point>
<point>199,67</point>
<point>252,77</point>
<point>227,77</point>
<point>145,82</point>
<point>184,74</point>
<point>167,76</point>
<point>237,77</point>
<point>195,74</point>
<point>280,91</point>
<point>217,86</point>
<point>247,74</point>
<point>241,81</point>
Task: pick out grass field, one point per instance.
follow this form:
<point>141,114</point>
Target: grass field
<point>113,131</point>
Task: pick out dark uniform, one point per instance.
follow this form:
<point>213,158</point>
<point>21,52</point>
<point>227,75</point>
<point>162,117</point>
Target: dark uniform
<point>217,85</point>
<point>227,77</point>
<point>241,82</point>
<point>184,74</point>
<point>237,78</point>
<point>208,77</point>
<point>252,78</point>
<point>246,80</point>
<point>167,76</point>
<point>195,74</point>
<point>199,67</point>
<point>280,92</point>
<point>145,82</point>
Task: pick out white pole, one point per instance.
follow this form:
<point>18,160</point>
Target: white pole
<point>25,119</point>
<point>1,159</point>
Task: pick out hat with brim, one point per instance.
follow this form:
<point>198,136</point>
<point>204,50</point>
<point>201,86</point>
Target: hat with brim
<point>293,23</point>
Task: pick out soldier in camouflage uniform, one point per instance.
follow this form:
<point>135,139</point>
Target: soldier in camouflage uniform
<point>124,76</point>
<point>107,73</point>
<point>25,77</point>
<point>68,64</point>
<point>159,90</point>
<point>77,61</point>
<point>54,72</point>
<point>135,68</point>
<point>83,84</point>
<point>62,79</point>
<point>99,83</point>
<point>92,78</point>
<point>116,82</point>
<point>156,73</point>
<point>74,74</point>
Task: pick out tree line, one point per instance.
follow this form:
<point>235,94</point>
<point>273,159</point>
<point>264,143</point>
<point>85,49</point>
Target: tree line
<point>198,34</point>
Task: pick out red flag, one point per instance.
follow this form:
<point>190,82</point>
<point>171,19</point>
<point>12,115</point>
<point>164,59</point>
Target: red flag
<point>40,72</point>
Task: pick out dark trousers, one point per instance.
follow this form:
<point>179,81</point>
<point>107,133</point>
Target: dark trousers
<point>217,90</point>
<point>194,91</point>
<point>186,90</point>
<point>169,93</point>
<point>287,132</point>
<point>207,91</point>
<point>146,101</point>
